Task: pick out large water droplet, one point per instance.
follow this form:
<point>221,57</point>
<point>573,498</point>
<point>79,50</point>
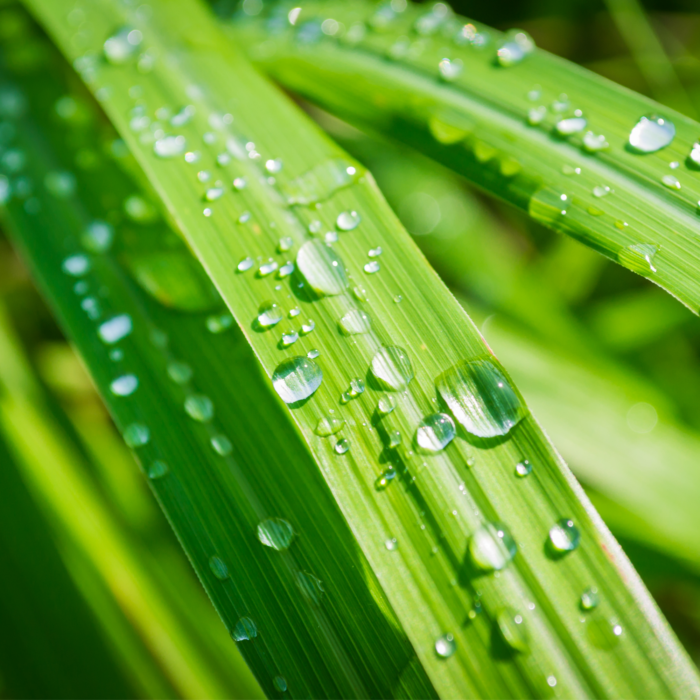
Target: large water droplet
<point>355,322</point>
<point>269,314</point>
<point>347,220</point>
<point>651,133</point>
<point>115,329</point>
<point>322,181</point>
<point>322,268</point>
<point>481,398</point>
<point>516,45</point>
<point>296,378</point>
<point>445,646</point>
<point>564,536</point>
<point>511,625</point>
<point>435,432</point>
<point>638,258</point>
<point>492,547</point>
<point>392,368</point>
<point>276,533</point>
<point>244,629</point>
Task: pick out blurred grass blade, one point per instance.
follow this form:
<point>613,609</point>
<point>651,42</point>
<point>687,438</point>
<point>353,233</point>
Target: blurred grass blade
<point>427,532</point>
<point>541,133</point>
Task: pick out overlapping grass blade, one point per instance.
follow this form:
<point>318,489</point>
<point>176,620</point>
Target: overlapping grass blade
<point>462,623</point>
<point>543,134</point>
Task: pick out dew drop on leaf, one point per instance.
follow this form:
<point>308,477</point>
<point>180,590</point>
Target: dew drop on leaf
<point>157,470</point>
<point>523,469</point>
<point>589,599</point>
<point>322,268</point>
<point>564,536</point>
<point>492,547</point>
<point>276,533</point>
<point>445,646</point>
<point>342,446</point>
<point>221,445</point>
<point>296,378</point>
<point>269,314</point>
<point>511,626</point>
<point>136,435</point>
<point>435,432</point>
<point>179,372</point>
<point>639,258</point>
<point>651,133</point>
<point>328,425</point>
<point>392,367</point>
<point>571,125</point>
<point>125,385</point>
<point>199,408</point>
<point>516,45</point>
<point>244,629</point>
<point>218,568</point>
<point>347,220</point>
<point>116,328</point>
<point>355,322</point>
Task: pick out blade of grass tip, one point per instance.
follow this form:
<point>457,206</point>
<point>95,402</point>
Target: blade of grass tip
<point>649,54</point>
<point>578,153</point>
<point>295,593</point>
<point>428,539</point>
<point>64,641</point>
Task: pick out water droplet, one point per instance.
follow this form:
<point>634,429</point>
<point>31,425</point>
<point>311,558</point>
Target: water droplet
<point>199,407</point>
<point>601,190</point>
<point>289,338</point>
<point>61,184</point>
<point>516,45</point>
<point>492,547</point>
<point>342,446</point>
<point>594,142</point>
<point>239,184</point>
<point>450,69</point>
<point>245,264</point>
<point>122,46</point>
<point>221,445</point>
<point>220,323</point>
<point>269,314</point>
<point>511,625</point>
<point>321,182</point>
<point>638,258</point>
<point>564,536</point>
<point>392,368</point>
<point>572,125</point>
<point>322,268</point>
<point>347,220</point>
<point>551,681</point>
<point>280,684</point>
<point>273,166</point>
<point>561,104</point>
<point>355,322</point>
<point>179,372</point>
<point>391,544</point>
<point>267,268</point>
<point>214,193</point>
<point>139,210</point>
<point>296,378</point>
<point>694,156</point>
<point>315,226</point>
<point>328,425</point>
<point>125,385</point>
<point>386,477</point>
<point>76,265</point>
<point>671,181</point>
<point>285,244</point>
<point>651,133</point>
<point>218,568</point>
<point>375,252</point>
<point>481,398</point>
<point>313,354</point>
<point>170,146</point>
<point>97,237</point>
<point>311,587</point>
<point>445,646</point>
<point>435,432</point>
<point>394,439</point>
<point>183,116</point>
<point>136,435</point>
<point>330,237</point>
<point>360,293</point>
<point>386,404</point>
<point>244,629</point>
<point>523,469</point>
<point>157,470</point>
<point>207,211</point>
<point>276,533</point>
<point>589,599</point>
<point>307,327</point>
<point>285,270</point>
<point>115,329</point>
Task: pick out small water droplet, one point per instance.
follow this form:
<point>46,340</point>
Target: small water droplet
<point>372,267</point>
<point>97,237</point>
<point>601,191</point>
<point>638,258</point>
<point>355,322</point>
<point>564,536</point>
<point>125,385</point>
<point>289,338</point>
<point>671,181</point>
<point>523,469</point>
<point>170,146</point>
<point>398,299</point>
<point>273,165</point>
<point>571,125</point>
<point>276,533</point>
<point>285,244</point>
<point>311,587</point>
<point>122,46</point>
<point>375,252</point>
<point>342,446</point>
<point>435,432</point>
<point>116,328</point>
<point>445,646</point>
<point>391,544</point>
<point>296,378</point>
<point>392,368</point>
<point>220,323</point>
<point>214,193</point>
<point>313,354</point>
<point>136,435</point>
<point>245,264</point>
<point>360,293</point>
<point>199,407</point>
<point>536,115</point>
<point>322,268</point>
<point>61,184</point>
<point>269,314</point>
<point>267,268</point>
<point>385,478</point>
<point>589,599</point>
<point>481,398</point>
<point>386,404</point>
<point>244,629</point>
<point>280,684</point>
<point>328,425</point>
<point>651,133</point>
<point>492,547</point>
<point>594,142</point>
<point>511,625</point>
<point>551,681</point>
<point>76,265</point>
<point>239,184</point>
<point>157,470</point>
<point>450,69</point>
<point>394,439</point>
<point>221,445</point>
<point>347,220</point>
<point>218,568</point>
<point>514,47</point>
<point>179,372</point>
<point>308,326</point>
<point>603,633</point>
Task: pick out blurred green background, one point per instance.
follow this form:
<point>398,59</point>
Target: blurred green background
<point>101,601</point>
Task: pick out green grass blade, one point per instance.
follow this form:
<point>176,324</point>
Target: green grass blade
<point>479,122</point>
<point>416,533</point>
